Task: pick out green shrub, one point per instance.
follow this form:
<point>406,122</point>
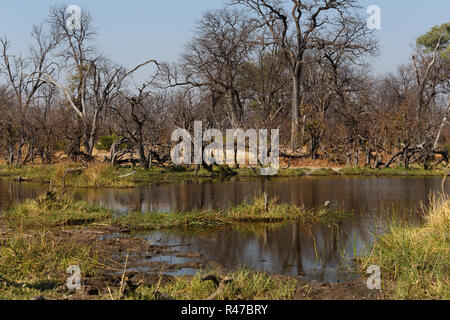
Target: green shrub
<point>105,142</point>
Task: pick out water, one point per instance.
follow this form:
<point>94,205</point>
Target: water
<point>321,252</point>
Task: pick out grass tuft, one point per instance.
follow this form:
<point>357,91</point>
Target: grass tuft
<point>415,260</point>
<point>255,211</point>
<point>243,285</point>
<point>34,266</point>
<point>154,221</point>
<point>53,212</point>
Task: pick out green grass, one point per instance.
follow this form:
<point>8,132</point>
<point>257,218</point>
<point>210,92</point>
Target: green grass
<point>282,172</point>
<point>395,171</point>
<point>103,175</point>
<point>324,172</point>
<point>415,260</point>
<point>154,221</point>
<point>38,173</point>
<point>255,211</point>
<point>47,213</point>
<point>58,211</point>
<point>35,266</point>
<point>243,285</point>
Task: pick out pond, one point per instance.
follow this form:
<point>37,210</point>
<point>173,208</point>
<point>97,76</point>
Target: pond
<point>322,252</point>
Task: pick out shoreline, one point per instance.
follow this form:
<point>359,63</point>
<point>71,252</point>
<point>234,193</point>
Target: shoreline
<point>105,176</point>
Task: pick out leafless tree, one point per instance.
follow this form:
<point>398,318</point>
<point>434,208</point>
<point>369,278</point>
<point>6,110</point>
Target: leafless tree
<point>294,26</point>
<point>215,57</point>
<point>21,78</point>
<point>143,121</point>
<point>94,80</point>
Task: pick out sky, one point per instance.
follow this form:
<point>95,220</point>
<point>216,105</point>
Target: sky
<point>133,31</point>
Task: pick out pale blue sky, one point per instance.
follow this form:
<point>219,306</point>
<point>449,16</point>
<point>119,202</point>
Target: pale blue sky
<point>133,31</point>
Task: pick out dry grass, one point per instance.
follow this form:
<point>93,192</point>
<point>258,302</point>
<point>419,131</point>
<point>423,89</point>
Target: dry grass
<point>48,212</point>
<point>36,265</point>
<point>242,285</point>
<point>257,210</point>
<point>415,260</point>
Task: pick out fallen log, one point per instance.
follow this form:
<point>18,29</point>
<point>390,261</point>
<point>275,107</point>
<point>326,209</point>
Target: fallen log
<point>127,175</point>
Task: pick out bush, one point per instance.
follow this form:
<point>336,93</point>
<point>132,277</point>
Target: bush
<point>105,142</point>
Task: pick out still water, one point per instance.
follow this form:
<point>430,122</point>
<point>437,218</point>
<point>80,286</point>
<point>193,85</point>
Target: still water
<point>321,252</point>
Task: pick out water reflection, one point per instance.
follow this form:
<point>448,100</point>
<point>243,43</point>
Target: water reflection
<point>321,252</point>
<point>12,192</point>
<point>357,194</point>
<point>313,252</point>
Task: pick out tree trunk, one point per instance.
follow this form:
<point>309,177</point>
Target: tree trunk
<point>231,103</point>
<point>11,155</point>
<point>143,162</point>
<point>356,158</point>
<point>442,126</point>
<point>302,139</point>
<point>406,158</point>
<point>90,141</point>
<point>368,161</point>
<point>296,98</point>
<point>314,147</point>
<point>19,152</point>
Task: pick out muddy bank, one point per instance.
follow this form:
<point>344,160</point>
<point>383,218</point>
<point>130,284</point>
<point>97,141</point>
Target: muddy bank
<point>129,268</point>
<point>98,288</point>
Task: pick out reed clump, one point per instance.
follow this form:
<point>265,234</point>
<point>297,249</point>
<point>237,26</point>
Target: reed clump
<point>239,285</point>
<point>415,260</point>
<point>263,209</point>
<point>33,266</point>
<point>51,210</point>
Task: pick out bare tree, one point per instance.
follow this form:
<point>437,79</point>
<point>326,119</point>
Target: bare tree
<point>215,57</point>
<point>94,80</point>
<point>142,121</point>
<point>294,28</point>
<point>266,84</point>
<point>21,77</point>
